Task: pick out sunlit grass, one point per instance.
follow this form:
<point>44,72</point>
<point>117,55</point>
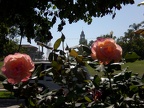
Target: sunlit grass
<point>135,67</point>
<point>6,94</point>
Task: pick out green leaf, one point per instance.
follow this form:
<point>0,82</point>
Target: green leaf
<point>128,99</point>
<point>87,99</point>
<point>79,59</point>
<point>56,65</point>
<point>62,52</point>
<point>100,68</point>
<point>57,43</point>
<point>80,75</point>
<point>67,47</point>
<point>133,88</point>
<point>31,102</point>
<point>86,49</point>
<point>50,56</point>
<point>90,69</point>
<point>119,77</point>
<point>82,105</point>
<point>142,79</point>
<point>96,81</point>
<point>37,70</point>
<point>54,7</point>
<point>54,19</point>
<point>45,72</point>
<point>62,37</point>
<point>127,75</point>
<point>73,53</point>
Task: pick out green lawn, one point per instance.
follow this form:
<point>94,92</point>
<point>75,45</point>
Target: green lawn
<point>135,67</point>
<point>6,94</point>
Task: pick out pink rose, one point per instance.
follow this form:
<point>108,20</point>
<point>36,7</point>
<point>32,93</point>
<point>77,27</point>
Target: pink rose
<point>106,50</point>
<point>17,67</point>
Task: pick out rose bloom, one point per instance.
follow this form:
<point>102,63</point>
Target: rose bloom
<point>17,68</point>
<point>106,50</point>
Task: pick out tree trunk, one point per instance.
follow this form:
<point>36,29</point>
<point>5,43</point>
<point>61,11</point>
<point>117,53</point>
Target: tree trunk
<point>20,44</point>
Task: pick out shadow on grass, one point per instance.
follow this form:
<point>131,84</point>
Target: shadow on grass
<point>6,95</point>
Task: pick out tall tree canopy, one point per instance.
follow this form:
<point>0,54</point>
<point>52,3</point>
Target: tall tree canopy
<point>133,40</point>
<point>36,17</point>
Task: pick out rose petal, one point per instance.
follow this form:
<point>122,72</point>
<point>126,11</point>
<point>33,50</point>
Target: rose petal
<point>106,50</point>
<point>17,68</point>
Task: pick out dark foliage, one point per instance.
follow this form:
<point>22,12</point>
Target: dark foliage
<point>76,89</point>
<point>34,18</point>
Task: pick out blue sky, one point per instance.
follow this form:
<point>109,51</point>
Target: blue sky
<point>128,15</point>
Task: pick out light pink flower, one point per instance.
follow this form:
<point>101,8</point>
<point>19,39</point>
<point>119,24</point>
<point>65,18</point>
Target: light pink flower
<point>17,68</point>
<point>106,50</point>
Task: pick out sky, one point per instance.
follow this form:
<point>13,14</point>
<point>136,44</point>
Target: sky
<point>128,15</point>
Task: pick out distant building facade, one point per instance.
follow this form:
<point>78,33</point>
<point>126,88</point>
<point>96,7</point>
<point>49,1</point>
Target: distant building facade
<point>82,41</point>
<point>32,51</point>
<point>82,38</point>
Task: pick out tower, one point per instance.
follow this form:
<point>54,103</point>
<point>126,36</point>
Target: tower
<point>82,38</point>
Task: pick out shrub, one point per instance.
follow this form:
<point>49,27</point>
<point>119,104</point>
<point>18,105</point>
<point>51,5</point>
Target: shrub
<point>76,88</point>
<point>131,57</point>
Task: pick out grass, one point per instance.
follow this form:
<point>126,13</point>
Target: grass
<point>135,67</point>
<point>6,94</point>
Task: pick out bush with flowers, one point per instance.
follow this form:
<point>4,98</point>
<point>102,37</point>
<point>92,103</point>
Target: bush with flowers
<point>76,88</point>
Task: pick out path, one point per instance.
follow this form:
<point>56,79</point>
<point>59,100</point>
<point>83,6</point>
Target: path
<point>10,103</point>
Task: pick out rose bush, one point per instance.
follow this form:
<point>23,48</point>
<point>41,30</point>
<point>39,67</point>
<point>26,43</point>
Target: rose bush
<point>122,90</point>
<point>106,50</point>
<point>17,68</point>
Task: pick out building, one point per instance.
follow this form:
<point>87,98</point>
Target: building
<point>82,38</point>
<point>32,51</point>
<point>82,41</point>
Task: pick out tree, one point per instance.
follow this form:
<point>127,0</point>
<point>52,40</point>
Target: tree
<point>132,41</point>
<point>10,47</point>
<point>36,17</point>
<point>90,43</point>
<point>110,35</point>
<point>135,26</point>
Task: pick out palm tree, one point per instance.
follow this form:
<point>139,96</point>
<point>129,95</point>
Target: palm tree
<point>142,23</point>
<point>135,26</point>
